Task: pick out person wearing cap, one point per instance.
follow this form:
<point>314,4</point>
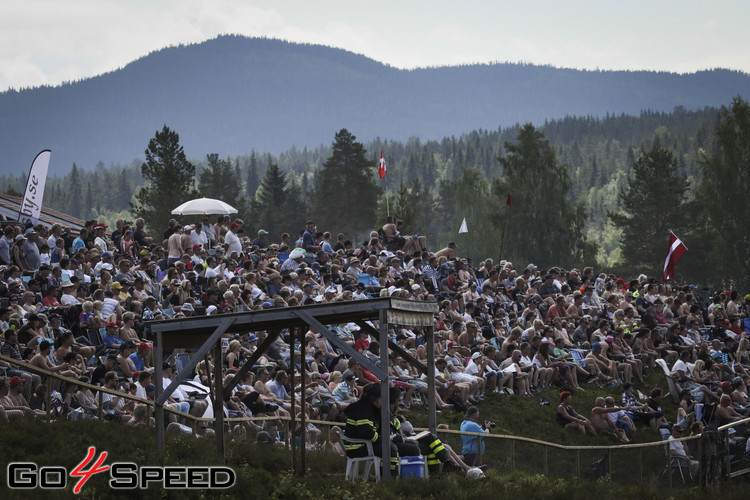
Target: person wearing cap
<point>111,336</point>
<point>16,252</point>
<point>344,393</point>
<point>143,352</point>
<point>99,373</point>
<point>354,269</point>
<point>260,241</point>
<point>100,238</point>
<point>678,452</point>
<point>472,445</point>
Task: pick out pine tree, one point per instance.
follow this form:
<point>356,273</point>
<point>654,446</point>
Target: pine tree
<point>277,202</point>
<point>170,180</point>
<point>219,181</point>
<point>75,195</point>
<point>252,176</point>
<point>346,195</point>
<point>654,202</point>
<point>541,223</point>
<point>723,195</point>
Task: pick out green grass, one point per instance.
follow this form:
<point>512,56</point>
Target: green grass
<point>263,472</point>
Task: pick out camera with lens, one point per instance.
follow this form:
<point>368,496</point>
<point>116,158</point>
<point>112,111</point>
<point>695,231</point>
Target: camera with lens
<point>488,424</point>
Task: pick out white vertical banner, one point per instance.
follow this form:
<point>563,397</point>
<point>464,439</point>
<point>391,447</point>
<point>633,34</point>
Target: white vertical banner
<point>464,228</point>
<point>31,206</point>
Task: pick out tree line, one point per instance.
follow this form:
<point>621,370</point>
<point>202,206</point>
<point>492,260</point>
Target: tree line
<point>583,191</point>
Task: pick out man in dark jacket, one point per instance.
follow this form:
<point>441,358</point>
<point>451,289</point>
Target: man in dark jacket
<point>363,422</point>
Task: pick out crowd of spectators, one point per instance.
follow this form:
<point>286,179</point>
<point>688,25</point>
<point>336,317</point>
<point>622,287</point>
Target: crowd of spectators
<point>76,302</point>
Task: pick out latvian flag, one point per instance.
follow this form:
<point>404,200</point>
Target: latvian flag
<point>676,250</point>
<point>382,166</point>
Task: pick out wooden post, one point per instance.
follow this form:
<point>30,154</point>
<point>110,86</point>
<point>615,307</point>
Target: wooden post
<point>290,436</point>
<point>431,409</point>
<point>303,403</point>
<point>219,403</point>
<point>385,410</point>
<point>48,399</point>
<point>100,408</point>
<point>159,388</point>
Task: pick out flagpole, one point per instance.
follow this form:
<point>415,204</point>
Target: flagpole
<point>387,202</point>
<point>382,171</point>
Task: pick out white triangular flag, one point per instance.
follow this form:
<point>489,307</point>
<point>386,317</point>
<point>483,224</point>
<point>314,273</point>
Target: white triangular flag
<point>464,228</point>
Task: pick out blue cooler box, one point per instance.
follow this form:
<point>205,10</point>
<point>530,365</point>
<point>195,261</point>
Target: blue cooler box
<point>412,467</point>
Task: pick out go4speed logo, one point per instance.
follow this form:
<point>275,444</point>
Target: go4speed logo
<point>122,475</point>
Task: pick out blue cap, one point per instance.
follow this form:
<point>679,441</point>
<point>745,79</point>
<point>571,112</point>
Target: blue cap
<point>596,346</point>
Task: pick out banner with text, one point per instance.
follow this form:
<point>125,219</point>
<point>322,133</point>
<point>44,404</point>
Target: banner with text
<point>31,207</point>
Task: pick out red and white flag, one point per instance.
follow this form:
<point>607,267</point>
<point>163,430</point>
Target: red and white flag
<point>382,166</point>
<point>676,250</point>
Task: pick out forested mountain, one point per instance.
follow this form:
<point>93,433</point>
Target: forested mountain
<point>233,94</point>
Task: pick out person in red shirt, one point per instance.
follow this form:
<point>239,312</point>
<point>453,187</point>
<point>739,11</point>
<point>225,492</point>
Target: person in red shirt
<point>363,342</point>
<point>557,310</point>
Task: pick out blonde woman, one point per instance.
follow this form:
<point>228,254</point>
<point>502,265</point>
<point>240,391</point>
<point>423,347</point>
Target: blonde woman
<point>140,416</point>
<point>334,379</point>
<point>233,354</point>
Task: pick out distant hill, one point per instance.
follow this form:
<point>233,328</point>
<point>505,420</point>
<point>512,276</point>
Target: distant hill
<point>233,94</point>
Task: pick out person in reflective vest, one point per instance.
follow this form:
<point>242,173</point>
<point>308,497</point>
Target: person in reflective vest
<point>363,422</point>
<point>427,444</point>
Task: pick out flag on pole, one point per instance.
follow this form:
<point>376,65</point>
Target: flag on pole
<point>507,202</point>
<point>464,228</point>
<point>382,167</point>
<point>676,250</point>
<point>31,206</point>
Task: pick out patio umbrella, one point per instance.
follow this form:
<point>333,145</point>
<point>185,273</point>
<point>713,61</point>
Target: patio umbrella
<point>204,206</point>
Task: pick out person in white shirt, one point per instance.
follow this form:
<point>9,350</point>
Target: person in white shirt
<point>677,450</point>
<point>198,236</point>
<point>232,241</point>
<point>67,298</point>
<point>144,380</point>
<point>100,240</point>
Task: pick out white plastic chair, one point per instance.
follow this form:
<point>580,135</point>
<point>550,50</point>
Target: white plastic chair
<point>674,390</point>
<point>352,463</point>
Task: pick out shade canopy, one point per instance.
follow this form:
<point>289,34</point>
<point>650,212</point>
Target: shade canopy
<point>204,206</point>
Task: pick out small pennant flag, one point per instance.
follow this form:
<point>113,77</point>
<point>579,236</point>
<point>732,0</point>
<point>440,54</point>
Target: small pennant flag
<point>507,202</point>
<point>676,250</point>
<point>464,228</point>
<point>382,166</point>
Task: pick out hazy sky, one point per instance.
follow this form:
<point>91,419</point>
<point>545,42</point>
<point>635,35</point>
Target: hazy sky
<point>51,41</point>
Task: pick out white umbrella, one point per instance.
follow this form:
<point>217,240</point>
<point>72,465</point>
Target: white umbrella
<point>204,206</point>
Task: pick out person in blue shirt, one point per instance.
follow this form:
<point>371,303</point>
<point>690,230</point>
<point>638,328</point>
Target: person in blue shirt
<point>80,242</point>
<point>470,448</point>
<point>112,336</point>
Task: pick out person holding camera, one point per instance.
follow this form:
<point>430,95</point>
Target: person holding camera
<point>471,444</point>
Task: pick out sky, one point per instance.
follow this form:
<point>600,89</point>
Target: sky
<point>47,42</point>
